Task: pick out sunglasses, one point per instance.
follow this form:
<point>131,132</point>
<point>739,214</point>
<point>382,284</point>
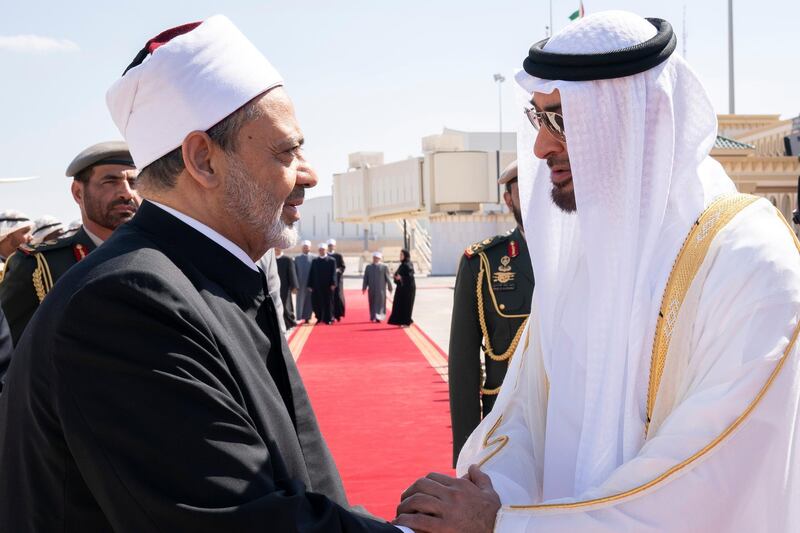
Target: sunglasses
<point>552,121</point>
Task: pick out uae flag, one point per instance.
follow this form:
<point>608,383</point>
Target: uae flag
<point>577,14</point>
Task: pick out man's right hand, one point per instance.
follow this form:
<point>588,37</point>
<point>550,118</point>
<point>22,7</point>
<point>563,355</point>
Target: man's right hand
<point>441,504</point>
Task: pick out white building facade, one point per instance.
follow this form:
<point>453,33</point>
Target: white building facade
<point>317,224</point>
<point>451,193</point>
<point>448,197</point>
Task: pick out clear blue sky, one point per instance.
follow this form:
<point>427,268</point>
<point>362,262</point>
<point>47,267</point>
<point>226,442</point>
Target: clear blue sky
<point>364,75</point>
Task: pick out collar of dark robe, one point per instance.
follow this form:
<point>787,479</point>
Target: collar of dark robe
<point>196,251</point>
<point>191,250</point>
<point>603,66</point>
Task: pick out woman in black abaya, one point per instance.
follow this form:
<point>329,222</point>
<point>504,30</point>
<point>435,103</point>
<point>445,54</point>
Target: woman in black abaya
<point>403,304</point>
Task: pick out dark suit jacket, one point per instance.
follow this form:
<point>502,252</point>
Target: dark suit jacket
<point>153,391</point>
<point>323,273</point>
<point>340,264</point>
<point>287,275</point>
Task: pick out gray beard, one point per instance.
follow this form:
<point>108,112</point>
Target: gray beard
<point>245,201</point>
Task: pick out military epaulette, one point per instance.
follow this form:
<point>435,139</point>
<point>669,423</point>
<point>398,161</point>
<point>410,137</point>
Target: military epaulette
<point>52,245</point>
<point>478,247</point>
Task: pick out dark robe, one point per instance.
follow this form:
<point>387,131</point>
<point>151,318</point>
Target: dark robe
<point>320,280</point>
<point>338,296</point>
<point>288,277</point>
<point>403,304</point>
<point>6,347</point>
<point>153,391</point>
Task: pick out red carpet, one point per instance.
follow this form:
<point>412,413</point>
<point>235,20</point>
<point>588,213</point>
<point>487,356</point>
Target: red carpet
<point>382,407</point>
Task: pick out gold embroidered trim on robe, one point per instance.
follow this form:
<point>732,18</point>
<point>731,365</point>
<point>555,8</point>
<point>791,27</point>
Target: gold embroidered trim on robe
<point>692,254</point>
<point>711,445</point>
<point>500,441</point>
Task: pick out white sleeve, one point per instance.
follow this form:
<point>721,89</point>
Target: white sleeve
<point>742,479</point>
<point>724,458</point>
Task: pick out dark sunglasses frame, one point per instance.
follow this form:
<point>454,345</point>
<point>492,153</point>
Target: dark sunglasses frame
<point>548,118</point>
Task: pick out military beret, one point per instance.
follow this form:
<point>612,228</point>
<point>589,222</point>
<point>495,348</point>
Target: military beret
<point>106,153</point>
<point>508,174</point>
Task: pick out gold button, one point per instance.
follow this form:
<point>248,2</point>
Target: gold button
<point>502,306</point>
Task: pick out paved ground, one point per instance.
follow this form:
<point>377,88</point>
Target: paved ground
<point>433,306</point>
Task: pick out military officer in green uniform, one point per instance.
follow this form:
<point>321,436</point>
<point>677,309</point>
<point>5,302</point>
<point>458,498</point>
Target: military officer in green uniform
<point>103,186</point>
<point>492,301</point>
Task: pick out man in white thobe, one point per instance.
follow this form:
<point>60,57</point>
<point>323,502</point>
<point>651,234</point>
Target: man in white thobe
<point>657,386</point>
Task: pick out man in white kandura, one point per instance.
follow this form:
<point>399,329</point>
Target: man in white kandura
<point>657,387</point>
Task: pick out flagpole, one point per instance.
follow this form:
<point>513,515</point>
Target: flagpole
<point>685,33</point>
<point>731,96</point>
<point>551,18</point>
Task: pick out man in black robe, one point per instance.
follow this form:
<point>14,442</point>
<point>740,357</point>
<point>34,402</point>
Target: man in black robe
<point>153,390</point>
<point>322,284</point>
<point>288,278</point>
<point>6,347</point>
<point>338,295</point>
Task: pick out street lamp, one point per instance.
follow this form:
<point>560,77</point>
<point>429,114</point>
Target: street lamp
<point>499,79</point>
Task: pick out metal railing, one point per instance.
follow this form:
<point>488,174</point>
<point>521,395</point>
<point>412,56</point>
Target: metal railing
<point>419,241</point>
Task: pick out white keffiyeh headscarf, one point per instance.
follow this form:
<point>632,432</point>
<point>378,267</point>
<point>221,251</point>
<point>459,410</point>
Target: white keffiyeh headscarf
<point>639,153</point>
<point>11,221</point>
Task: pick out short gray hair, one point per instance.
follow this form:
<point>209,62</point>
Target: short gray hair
<point>162,174</point>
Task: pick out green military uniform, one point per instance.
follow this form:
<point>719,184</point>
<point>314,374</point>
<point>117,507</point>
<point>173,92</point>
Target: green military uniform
<point>492,301</point>
<point>32,271</point>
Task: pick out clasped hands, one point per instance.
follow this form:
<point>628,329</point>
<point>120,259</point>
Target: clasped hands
<point>441,504</point>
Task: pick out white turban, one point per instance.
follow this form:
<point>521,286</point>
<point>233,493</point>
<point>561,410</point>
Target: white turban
<point>11,221</point>
<point>322,246</point>
<point>377,254</point>
<point>195,77</point>
<point>639,154</point>
<point>332,242</point>
<point>306,243</point>
<point>72,228</point>
<point>43,227</point>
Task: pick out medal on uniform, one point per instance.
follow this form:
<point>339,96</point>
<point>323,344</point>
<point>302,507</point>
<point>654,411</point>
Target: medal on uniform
<point>504,274</point>
<point>79,251</point>
<point>513,248</point>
